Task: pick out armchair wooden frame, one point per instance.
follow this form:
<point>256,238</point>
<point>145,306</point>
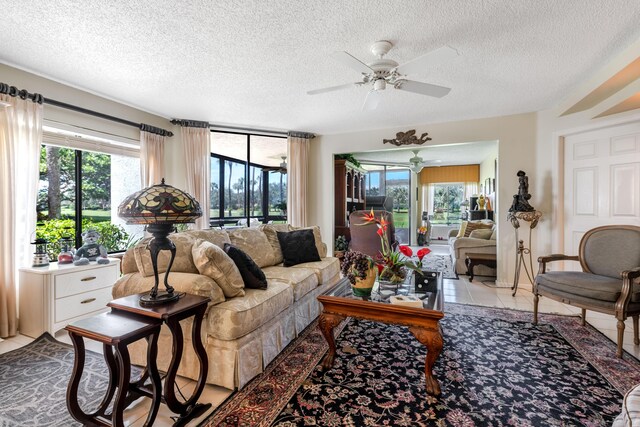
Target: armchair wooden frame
<point>621,309</point>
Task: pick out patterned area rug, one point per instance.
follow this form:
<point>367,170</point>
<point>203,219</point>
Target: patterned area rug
<point>440,263</point>
<point>33,384</point>
<point>496,369</point>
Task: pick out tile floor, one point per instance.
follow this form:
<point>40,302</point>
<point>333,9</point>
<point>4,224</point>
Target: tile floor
<point>481,291</point>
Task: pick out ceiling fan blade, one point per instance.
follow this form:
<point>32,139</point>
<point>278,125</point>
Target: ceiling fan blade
<point>372,100</point>
<point>423,88</point>
<point>421,63</point>
<point>332,88</point>
<point>351,62</point>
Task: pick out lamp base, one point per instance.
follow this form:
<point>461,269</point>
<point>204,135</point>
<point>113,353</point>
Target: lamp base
<point>161,298</point>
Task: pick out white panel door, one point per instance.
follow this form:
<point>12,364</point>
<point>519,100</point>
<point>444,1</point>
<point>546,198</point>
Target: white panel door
<point>601,181</point>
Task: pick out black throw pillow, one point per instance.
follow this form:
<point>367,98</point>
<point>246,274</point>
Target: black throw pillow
<point>297,247</point>
<point>252,276</point>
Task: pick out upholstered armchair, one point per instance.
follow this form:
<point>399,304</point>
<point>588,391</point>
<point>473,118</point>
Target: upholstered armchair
<point>364,237</point>
<point>608,283</point>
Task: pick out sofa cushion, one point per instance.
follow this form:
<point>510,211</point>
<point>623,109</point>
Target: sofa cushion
<point>252,276</point>
<point>254,243</point>
<point>483,233</point>
<point>237,317</point>
<point>213,262</point>
<point>213,235</point>
<point>297,247</point>
<point>271,230</point>
<point>197,284</point>
<point>325,269</point>
<point>302,280</point>
<point>586,285</point>
<point>630,415</point>
<point>473,225</point>
<point>183,262</point>
<point>463,227</point>
<point>128,264</point>
<point>322,249</point>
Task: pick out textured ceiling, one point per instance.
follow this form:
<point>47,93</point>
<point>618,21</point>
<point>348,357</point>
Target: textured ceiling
<point>251,62</point>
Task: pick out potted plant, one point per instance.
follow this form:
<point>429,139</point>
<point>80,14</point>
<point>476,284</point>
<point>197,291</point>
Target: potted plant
<point>422,235</point>
<point>360,270</point>
<point>341,246</point>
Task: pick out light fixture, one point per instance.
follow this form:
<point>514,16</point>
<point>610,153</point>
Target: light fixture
<point>160,207</point>
<point>379,84</point>
<point>40,256</point>
<point>416,167</point>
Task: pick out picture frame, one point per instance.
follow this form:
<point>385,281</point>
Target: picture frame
<point>487,186</point>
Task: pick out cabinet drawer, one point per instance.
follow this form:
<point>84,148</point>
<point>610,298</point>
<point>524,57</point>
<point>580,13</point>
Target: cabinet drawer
<point>77,305</point>
<point>85,280</point>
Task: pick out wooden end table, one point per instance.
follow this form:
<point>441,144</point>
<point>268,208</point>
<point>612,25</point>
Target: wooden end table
<point>474,259</point>
<point>171,314</point>
<point>339,303</point>
<point>115,331</point>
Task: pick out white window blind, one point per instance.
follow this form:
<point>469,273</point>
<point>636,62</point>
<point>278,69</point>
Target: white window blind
<point>67,136</point>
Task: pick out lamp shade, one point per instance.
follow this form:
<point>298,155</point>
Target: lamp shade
<point>159,204</point>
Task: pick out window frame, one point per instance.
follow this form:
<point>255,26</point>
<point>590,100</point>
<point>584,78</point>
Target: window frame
<point>265,216</point>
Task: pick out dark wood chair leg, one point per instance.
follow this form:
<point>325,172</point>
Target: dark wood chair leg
<point>583,317</point>
<point>536,298</point>
<point>636,338</point>
<point>620,338</point>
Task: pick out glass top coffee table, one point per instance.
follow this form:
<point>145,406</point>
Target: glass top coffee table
<point>339,303</point>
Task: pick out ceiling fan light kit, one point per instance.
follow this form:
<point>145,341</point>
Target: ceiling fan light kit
<point>382,72</point>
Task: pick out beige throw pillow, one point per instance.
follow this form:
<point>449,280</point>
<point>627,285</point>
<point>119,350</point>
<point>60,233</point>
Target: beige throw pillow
<point>463,226</point>
<point>182,263</point>
<point>213,262</point>
<point>271,231</point>
<point>322,249</point>
<point>472,225</point>
<point>484,233</point>
<point>254,243</point>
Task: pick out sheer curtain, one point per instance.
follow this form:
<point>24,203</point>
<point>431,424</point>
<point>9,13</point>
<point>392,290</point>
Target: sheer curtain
<point>20,140</point>
<point>151,158</point>
<point>298,155</point>
<point>197,148</point>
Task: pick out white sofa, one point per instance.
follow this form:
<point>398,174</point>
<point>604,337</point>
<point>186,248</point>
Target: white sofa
<point>479,241</point>
<point>242,334</point>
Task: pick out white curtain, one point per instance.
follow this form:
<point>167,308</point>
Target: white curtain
<point>20,140</point>
<point>426,196</point>
<point>197,148</point>
<point>297,175</point>
<point>470,189</point>
<point>151,158</point>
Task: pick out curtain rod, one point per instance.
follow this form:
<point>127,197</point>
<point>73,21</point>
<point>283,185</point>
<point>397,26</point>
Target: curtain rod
<point>195,123</point>
<point>38,98</point>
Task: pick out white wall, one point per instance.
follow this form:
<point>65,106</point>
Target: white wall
<point>70,95</point>
<point>516,136</point>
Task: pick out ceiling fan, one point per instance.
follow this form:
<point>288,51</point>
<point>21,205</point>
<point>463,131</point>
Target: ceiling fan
<point>382,72</point>
<point>415,163</point>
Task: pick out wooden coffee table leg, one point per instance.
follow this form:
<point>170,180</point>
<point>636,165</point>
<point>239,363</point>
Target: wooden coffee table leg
<point>327,322</point>
<point>432,339</point>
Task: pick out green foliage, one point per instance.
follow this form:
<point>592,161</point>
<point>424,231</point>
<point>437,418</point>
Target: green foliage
<point>113,236</point>
<point>341,243</point>
<point>349,158</point>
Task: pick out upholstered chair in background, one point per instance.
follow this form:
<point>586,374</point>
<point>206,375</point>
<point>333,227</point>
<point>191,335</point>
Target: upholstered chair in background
<point>608,282</point>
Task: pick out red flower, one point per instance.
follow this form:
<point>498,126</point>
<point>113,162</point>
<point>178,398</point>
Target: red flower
<point>380,268</point>
<point>380,231</point>
<point>369,217</point>
<point>422,252</point>
<point>406,251</point>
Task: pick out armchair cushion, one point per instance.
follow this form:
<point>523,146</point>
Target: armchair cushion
<point>483,233</point>
<point>586,285</point>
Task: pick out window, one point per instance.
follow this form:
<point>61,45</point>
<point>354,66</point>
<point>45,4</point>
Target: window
<point>81,189</point>
<point>447,200</point>
<point>248,178</point>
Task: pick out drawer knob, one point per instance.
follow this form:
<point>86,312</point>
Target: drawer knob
<point>87,301</point>
<point>88,279</point>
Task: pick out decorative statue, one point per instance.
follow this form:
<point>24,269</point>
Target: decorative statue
<point>521,200</point>
<point>407,138</point>
<point>90,250</point>
<point>481,202</point>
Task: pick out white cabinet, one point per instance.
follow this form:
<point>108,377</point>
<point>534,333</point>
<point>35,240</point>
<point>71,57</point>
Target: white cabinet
<point>55,295</point>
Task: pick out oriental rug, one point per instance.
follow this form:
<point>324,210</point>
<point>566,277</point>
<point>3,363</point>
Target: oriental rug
<point>496,369</point>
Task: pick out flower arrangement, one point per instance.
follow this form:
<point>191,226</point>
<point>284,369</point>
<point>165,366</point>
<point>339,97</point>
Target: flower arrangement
<point>356,265</point>
<point>422,230</point>
<point>392,263</point>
